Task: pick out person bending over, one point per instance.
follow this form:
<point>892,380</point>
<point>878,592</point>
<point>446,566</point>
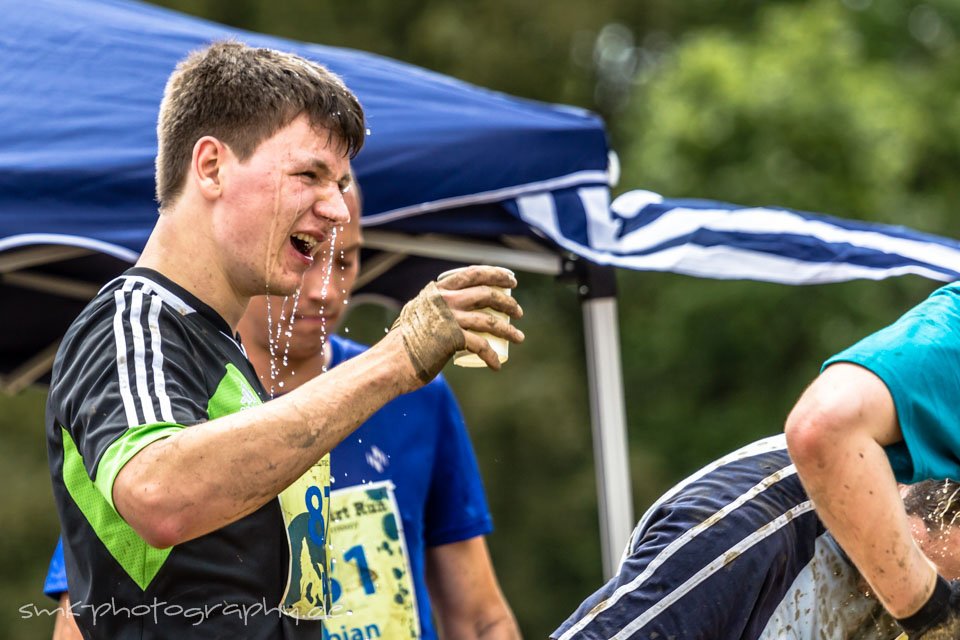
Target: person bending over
<point>736,552</point>
<point>883,411</point>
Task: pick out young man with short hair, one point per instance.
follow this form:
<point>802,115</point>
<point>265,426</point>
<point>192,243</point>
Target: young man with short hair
<point>166,462</point>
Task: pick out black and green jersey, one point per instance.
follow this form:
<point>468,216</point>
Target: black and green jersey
<point>144,360</point>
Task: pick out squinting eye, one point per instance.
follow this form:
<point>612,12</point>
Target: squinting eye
<point>308,174</point>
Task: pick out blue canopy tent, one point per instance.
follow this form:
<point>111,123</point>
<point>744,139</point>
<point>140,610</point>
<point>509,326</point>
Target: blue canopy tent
<point>442,172</point>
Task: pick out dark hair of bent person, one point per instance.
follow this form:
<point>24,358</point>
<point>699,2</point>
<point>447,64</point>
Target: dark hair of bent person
<point>242,96</point>
<point>936,502</point>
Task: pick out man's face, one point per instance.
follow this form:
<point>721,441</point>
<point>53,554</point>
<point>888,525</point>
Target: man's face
<point>278,208</point>
<point>323,296</point>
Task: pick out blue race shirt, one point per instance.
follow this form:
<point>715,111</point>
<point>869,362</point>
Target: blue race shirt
<point>56,582</point>
<point>419,444</point>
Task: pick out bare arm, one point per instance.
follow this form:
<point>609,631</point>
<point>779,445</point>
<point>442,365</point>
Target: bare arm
<point>466,598</point>
<point>210,475</point>
<point>65,627</point>
<point>835,436</point>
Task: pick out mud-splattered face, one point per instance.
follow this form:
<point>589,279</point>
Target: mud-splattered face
<point>324,295</point>
<point>279,206</point>
<point>942,546</point>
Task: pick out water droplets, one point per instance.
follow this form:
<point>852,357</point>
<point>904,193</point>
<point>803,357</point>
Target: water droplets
<point>281,330</point>
<point>274,333</point>
<point>324,287</point>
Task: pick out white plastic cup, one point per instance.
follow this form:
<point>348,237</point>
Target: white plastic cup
<point>500,345</point>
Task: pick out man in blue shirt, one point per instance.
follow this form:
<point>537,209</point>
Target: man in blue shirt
<point>407,511</point>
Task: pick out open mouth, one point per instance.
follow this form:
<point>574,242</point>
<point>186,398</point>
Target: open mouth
<point>304,244</point>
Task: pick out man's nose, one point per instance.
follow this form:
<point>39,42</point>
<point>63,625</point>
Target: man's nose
<point>331,205</point>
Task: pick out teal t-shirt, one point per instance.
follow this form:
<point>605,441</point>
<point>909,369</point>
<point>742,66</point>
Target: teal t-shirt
<point>918,358</point>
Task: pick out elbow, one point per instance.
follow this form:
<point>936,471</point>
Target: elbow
<point>150,515</point>
<point>815,432</point>
<point>501,624</point>
<point>807,434</point>
<point>161,533</point>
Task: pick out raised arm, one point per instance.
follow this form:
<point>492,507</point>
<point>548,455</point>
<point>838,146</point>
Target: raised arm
<point>205,477</point>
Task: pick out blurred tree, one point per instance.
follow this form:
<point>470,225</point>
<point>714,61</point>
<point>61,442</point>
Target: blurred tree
<point>518,46</point>
<point>804,110</point>
<point>29,519</point>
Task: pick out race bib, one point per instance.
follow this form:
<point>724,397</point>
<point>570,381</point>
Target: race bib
<point>370,582</point>
<point>306,509</point>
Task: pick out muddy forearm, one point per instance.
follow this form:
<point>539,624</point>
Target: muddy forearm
<point>853,490</point>
<point>210,475</point>
<point>836,435</point>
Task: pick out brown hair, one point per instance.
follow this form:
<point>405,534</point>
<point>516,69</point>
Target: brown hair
<point>936,502</point>
<point>242,96</point>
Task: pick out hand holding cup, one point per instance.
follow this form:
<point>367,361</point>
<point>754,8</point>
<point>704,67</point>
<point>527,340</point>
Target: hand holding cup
<point>500,308</point>
<point>448,316</point>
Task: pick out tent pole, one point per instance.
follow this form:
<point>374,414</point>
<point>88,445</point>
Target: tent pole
<point>66,287</point>
<point>33,256</point>
<point>597,288</point>
<point>28,372</point>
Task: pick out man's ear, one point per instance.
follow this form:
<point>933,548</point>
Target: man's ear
<point>206,166</point>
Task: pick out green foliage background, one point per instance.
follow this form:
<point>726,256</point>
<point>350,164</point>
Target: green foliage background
<point>850,108</point>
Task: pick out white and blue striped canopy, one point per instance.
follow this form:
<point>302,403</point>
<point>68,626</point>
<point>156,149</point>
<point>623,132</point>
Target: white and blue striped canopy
<point>641,230</point>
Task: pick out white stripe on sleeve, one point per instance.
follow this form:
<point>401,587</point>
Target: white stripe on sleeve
<point>159,382</point>
<point>140,358</point>
<point>718,563</point>
<point>123,376</point>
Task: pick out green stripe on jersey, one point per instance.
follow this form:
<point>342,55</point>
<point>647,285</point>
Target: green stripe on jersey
<point>233,394</point>
<point>138,559</point>
<point>132,442</point>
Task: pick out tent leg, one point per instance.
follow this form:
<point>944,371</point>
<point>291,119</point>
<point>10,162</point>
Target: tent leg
<point>28,372</point>
<point>607,413</point>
